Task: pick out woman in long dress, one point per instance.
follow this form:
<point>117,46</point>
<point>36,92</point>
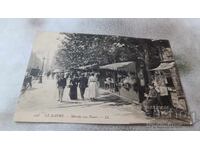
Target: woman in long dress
<point>73,88</point>
<point>92,86</point>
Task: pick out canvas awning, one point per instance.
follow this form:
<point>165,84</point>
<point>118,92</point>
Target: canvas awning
<point>164,66</point>
<point>122,66</point>
<point>87,67</point>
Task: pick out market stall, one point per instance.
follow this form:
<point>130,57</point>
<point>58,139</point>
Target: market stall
<point>164,66</point>
<point>123,75</point>
<point>121,66</point>
<point>164,70</point>
<point>168,72</point>
<point>87,67</point>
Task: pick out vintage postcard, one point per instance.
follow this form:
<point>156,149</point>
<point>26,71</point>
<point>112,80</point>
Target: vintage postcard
<point>101,79</point>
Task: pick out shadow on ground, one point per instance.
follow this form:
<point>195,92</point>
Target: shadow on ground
<point>117,101</point>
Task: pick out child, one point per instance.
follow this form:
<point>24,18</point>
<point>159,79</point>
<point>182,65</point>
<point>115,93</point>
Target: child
<point>149,104</point>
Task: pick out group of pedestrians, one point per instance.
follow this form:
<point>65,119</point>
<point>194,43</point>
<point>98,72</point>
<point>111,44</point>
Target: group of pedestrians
<point>27,81</point>
<point>50,73</point>
<point>158,97</point>
<point>72,81</point>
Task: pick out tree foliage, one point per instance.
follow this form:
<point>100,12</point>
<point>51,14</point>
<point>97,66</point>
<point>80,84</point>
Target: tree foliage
<point>83,49</point>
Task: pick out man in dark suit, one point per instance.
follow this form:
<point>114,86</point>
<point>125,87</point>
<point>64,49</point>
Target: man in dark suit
<point>83,84</point>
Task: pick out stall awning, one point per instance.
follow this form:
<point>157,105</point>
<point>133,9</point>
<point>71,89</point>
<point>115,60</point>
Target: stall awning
<point>164,66</point>
<point>88,67</point>
<point>122,66</point>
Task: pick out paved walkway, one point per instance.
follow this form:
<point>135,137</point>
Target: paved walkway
<point>42,98</point>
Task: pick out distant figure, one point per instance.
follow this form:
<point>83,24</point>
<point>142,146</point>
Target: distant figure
<point>164,91</point>
<point>112,84</point>
<point>130,82</point>
<point>141,87</point>
<point>29,80</point>
<point>107,82</point>
<point>149,105</point>
<point>69,84</point>
<point>58,76</point>
<point>25,82</point>
<point>48,74</point>
<point>93,86</point>
<point>83,84</point>
<point>73,88</point>
<point>61,86</point>
<point>52,75</point>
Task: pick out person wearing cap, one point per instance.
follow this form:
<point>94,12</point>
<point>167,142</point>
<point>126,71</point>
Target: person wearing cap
<point>61,84</point>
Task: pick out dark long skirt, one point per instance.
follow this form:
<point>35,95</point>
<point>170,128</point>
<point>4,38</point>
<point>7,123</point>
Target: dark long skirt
<point>141,93</point>
<point>82,91</point>
<point>73,93</point>
<point>166,101</point>
<point>149,106</point>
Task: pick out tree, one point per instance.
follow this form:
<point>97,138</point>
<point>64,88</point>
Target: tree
<point>83,49</point>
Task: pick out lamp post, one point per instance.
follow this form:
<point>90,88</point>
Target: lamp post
<point>43,64</point>
<point>40,76</point>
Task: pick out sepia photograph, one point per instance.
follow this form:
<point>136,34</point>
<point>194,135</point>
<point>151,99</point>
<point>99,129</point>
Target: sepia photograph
<point>101,79</point>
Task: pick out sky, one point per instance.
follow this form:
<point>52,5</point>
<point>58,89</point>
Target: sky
<point>46,45</point>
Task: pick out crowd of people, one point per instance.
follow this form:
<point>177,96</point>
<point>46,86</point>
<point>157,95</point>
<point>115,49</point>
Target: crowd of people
<point>154,96</point>
<point>157,96</point>
<point>73,81</point>
<point>130,82</point>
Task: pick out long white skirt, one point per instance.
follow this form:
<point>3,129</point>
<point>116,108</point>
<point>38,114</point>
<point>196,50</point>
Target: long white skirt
<point>93,90</point>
